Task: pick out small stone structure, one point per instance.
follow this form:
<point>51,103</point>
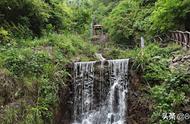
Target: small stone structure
<point>98,35</point>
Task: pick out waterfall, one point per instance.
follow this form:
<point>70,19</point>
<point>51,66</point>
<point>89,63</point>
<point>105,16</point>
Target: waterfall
<point>100,92</point>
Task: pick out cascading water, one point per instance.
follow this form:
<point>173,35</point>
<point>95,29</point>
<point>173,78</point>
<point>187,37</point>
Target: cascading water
<point>100,92</point>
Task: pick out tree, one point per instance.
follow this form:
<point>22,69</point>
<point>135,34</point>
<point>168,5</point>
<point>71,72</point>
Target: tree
<point>128,21</point>
<point>169,15</point>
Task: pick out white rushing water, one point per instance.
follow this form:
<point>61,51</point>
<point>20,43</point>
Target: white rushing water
<point>104,101</point>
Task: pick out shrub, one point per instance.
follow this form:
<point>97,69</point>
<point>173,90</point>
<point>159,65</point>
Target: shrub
<point>25,65</point>
<point>169,15</point>
<point>60,17</point>
<point>120,22</point>
<point>81,20</point>
<point>32,14</point>
<point>165,101</point>
<point>128,21</point>
<point>4,36</point>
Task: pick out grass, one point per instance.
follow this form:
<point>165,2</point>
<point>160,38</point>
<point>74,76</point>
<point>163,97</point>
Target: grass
<point>37,68</point>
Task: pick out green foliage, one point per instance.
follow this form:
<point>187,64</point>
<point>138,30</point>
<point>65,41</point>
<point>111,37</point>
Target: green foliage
<point>33,69</point>
<point>167,89</point>
<point>128,21</point>
<point>151,53</point>
<point>169,96</point>
<point>169,15</point>
<point>11,116</point>
<point>31,14</point>
<point>120,15</point>
<point>30,64</point>
<point>36,70</point>
<point>30,18</point>
<point>165,102</point>
<point>21,113</point>
<point>102,9</point>
<point>4,36</point>
<point>68,45</point>
<point>33,116</point>
<point>60,17</point>
<point>81,19</point>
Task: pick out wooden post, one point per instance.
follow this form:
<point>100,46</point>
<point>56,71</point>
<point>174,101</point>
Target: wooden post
<point>172,36</point>
<point>188,39</point>
<point>176,37</point>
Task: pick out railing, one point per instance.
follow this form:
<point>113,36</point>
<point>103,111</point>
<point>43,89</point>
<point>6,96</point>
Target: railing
<point>179,37</point>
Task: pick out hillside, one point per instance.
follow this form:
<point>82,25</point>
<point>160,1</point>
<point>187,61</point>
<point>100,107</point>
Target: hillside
<point>40,40</point>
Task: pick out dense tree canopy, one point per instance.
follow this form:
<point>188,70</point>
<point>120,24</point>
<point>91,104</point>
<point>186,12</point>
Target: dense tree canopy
<point>169,15</point>
<point>25,18</point>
